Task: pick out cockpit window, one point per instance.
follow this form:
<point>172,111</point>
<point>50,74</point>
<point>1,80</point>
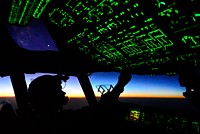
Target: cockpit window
<point>34,36</point>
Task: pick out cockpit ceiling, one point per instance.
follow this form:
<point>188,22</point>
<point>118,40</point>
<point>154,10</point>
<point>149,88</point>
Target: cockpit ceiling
<point>150,37</point>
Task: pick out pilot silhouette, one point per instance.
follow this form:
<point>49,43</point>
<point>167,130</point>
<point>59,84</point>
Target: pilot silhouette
<point>189,77</point>
<point>112,111</point>
<point>46,96</point>
<point>46,100</point>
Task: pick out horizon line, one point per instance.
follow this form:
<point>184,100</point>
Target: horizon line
<point>141,97</point>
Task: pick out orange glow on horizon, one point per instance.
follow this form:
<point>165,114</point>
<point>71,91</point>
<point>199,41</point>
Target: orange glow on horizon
<point>7,95</point>
<point>81,95</point>
<point>151,96</point>
<point>122,96</point>
<point>133,96</point>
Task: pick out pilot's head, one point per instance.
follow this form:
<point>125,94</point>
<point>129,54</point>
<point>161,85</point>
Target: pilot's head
<point>45,93</point>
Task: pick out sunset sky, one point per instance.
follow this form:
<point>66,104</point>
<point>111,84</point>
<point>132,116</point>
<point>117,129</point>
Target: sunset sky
<point>139,86</point>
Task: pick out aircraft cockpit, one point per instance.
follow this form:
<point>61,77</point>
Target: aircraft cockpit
<point>78,38</point>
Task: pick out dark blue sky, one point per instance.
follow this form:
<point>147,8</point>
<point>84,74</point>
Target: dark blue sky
<point>33,37</point>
